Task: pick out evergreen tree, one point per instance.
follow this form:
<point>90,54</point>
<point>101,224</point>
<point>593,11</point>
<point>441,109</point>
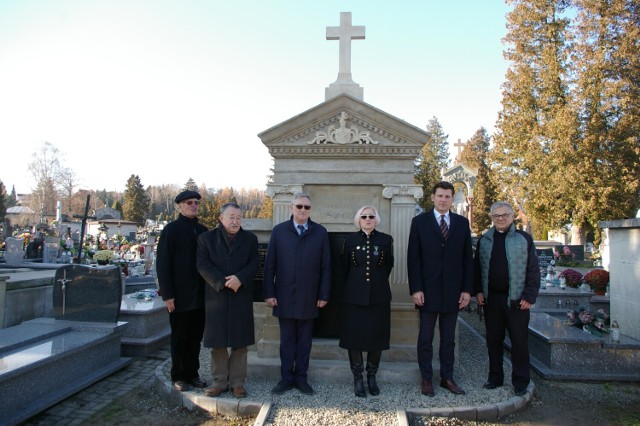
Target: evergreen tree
<point>433,159</point>
<point>536,126</point>
<point>484,193</point>
<point>136,203</point>
<point>190,186</point>
<point>605,165</point>
<point>117,205</point>
<point>12,199</point>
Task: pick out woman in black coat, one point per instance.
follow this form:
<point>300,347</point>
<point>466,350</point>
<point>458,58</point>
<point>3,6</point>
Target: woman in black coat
<point>367,260</point>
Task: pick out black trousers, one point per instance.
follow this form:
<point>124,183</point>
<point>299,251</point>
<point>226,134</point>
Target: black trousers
<point>447,327</point>
<point>187,329</point>
<point>500,316</point>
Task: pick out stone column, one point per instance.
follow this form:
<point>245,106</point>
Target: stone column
<point>281,196</point>
<point>403,205</point>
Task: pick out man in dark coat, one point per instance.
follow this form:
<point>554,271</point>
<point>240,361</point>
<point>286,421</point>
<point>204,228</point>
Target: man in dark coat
<point>182,290</point>
<point>297,281</point>
<point>228,261</point>
<point>440,269</point>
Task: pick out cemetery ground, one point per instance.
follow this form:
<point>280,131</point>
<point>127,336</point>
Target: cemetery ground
<point>554,403</point>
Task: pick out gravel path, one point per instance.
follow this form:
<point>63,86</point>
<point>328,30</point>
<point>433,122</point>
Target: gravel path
<point>335,404</point>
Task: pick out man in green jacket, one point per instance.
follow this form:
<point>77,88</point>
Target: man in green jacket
<point>507,280</point>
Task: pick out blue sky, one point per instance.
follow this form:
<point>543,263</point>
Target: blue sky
<point>170,89</point>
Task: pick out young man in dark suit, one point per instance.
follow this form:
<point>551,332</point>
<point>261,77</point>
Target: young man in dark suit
<point>440,268</point>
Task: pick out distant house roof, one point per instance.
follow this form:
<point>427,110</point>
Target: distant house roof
<point>19,210</point>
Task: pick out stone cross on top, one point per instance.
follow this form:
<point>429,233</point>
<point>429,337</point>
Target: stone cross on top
<point>345,33</point>
<point>460,146</point>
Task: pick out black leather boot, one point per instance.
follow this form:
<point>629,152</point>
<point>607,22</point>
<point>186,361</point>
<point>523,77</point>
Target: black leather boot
<point>373,361</point>
<point>355,359</point>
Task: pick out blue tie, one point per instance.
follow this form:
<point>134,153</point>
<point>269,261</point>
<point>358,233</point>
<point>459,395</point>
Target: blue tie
<point>300,229</point>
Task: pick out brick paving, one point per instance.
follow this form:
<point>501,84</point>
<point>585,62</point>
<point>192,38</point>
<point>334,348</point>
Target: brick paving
<point>78,408</point>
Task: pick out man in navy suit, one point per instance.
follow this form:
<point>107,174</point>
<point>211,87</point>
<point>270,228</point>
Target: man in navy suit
<point>297,281</point>
<point>440,268</point>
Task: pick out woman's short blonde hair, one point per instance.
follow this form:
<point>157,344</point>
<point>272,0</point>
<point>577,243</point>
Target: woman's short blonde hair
<point>356,218</point>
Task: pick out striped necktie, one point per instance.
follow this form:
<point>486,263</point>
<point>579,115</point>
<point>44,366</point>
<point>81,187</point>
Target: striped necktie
<point>300,229</point>
<point>443,227</point>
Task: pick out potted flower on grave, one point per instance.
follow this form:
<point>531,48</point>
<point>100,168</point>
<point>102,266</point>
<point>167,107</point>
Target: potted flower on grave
<point>103,257</point>
<point>597,279</point>
<point>573,278</point>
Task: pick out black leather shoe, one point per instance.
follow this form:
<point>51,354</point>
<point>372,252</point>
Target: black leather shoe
<point>521,392</point>
<point>490,385</point>
<point>198,383</point>
<point>452,386</point>
<point>181,385</point>
<point>282,387</point>
<point>304,388</point>
<point>426,387</point>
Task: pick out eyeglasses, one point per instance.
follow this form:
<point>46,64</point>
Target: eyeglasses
<point>302,206</point>
<point>501,216</point>
<point>189,202</point>
<point>364,216</point>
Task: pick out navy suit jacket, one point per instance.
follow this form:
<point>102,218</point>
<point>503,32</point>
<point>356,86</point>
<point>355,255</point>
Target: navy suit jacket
<point>441,269</point>
<point>297,270</point>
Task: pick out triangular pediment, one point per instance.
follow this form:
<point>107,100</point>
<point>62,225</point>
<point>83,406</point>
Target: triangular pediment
<point>343,125</point>
<point>460,172</point>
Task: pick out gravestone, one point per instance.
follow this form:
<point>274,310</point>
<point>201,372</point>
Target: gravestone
<point>577,250</point>
<point>14,251</point>
<point>560,351</point>
<point>50,251</point>
<point>45,360</point>
<point>147,320</point>
<point>545,256</point>
<point>84,293</point>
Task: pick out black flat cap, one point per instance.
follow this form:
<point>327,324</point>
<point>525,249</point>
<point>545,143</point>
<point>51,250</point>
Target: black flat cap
<point>186,195</point>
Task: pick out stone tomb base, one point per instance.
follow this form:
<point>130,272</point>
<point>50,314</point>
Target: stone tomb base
<point>44,361</point>
<point>329,360</point>
<point>562,352</point>
<point>148,327</point>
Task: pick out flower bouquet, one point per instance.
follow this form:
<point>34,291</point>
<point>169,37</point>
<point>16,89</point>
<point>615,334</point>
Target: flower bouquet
<point>573,277</point>
<point>103,256</point>
<point>597,280</point>
<point>590,323</point>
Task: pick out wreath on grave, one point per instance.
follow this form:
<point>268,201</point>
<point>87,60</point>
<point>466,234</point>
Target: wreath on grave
<point>589,322</point>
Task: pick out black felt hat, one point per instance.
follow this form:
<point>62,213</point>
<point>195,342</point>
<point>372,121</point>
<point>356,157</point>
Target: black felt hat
<point>186,195</point>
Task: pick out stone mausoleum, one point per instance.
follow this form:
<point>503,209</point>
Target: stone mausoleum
<point>345,153</point>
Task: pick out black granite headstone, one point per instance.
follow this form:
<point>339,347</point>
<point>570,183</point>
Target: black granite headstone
<point>83,293</point>
<point>258,279</point>
<point>577,250</point>
<point>545,256</point>
<point>327,325</point>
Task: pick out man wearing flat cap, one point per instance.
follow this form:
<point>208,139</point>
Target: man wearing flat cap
<point>182,290</point>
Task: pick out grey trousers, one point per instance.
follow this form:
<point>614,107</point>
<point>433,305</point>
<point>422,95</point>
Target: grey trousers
<point>229,368</point>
